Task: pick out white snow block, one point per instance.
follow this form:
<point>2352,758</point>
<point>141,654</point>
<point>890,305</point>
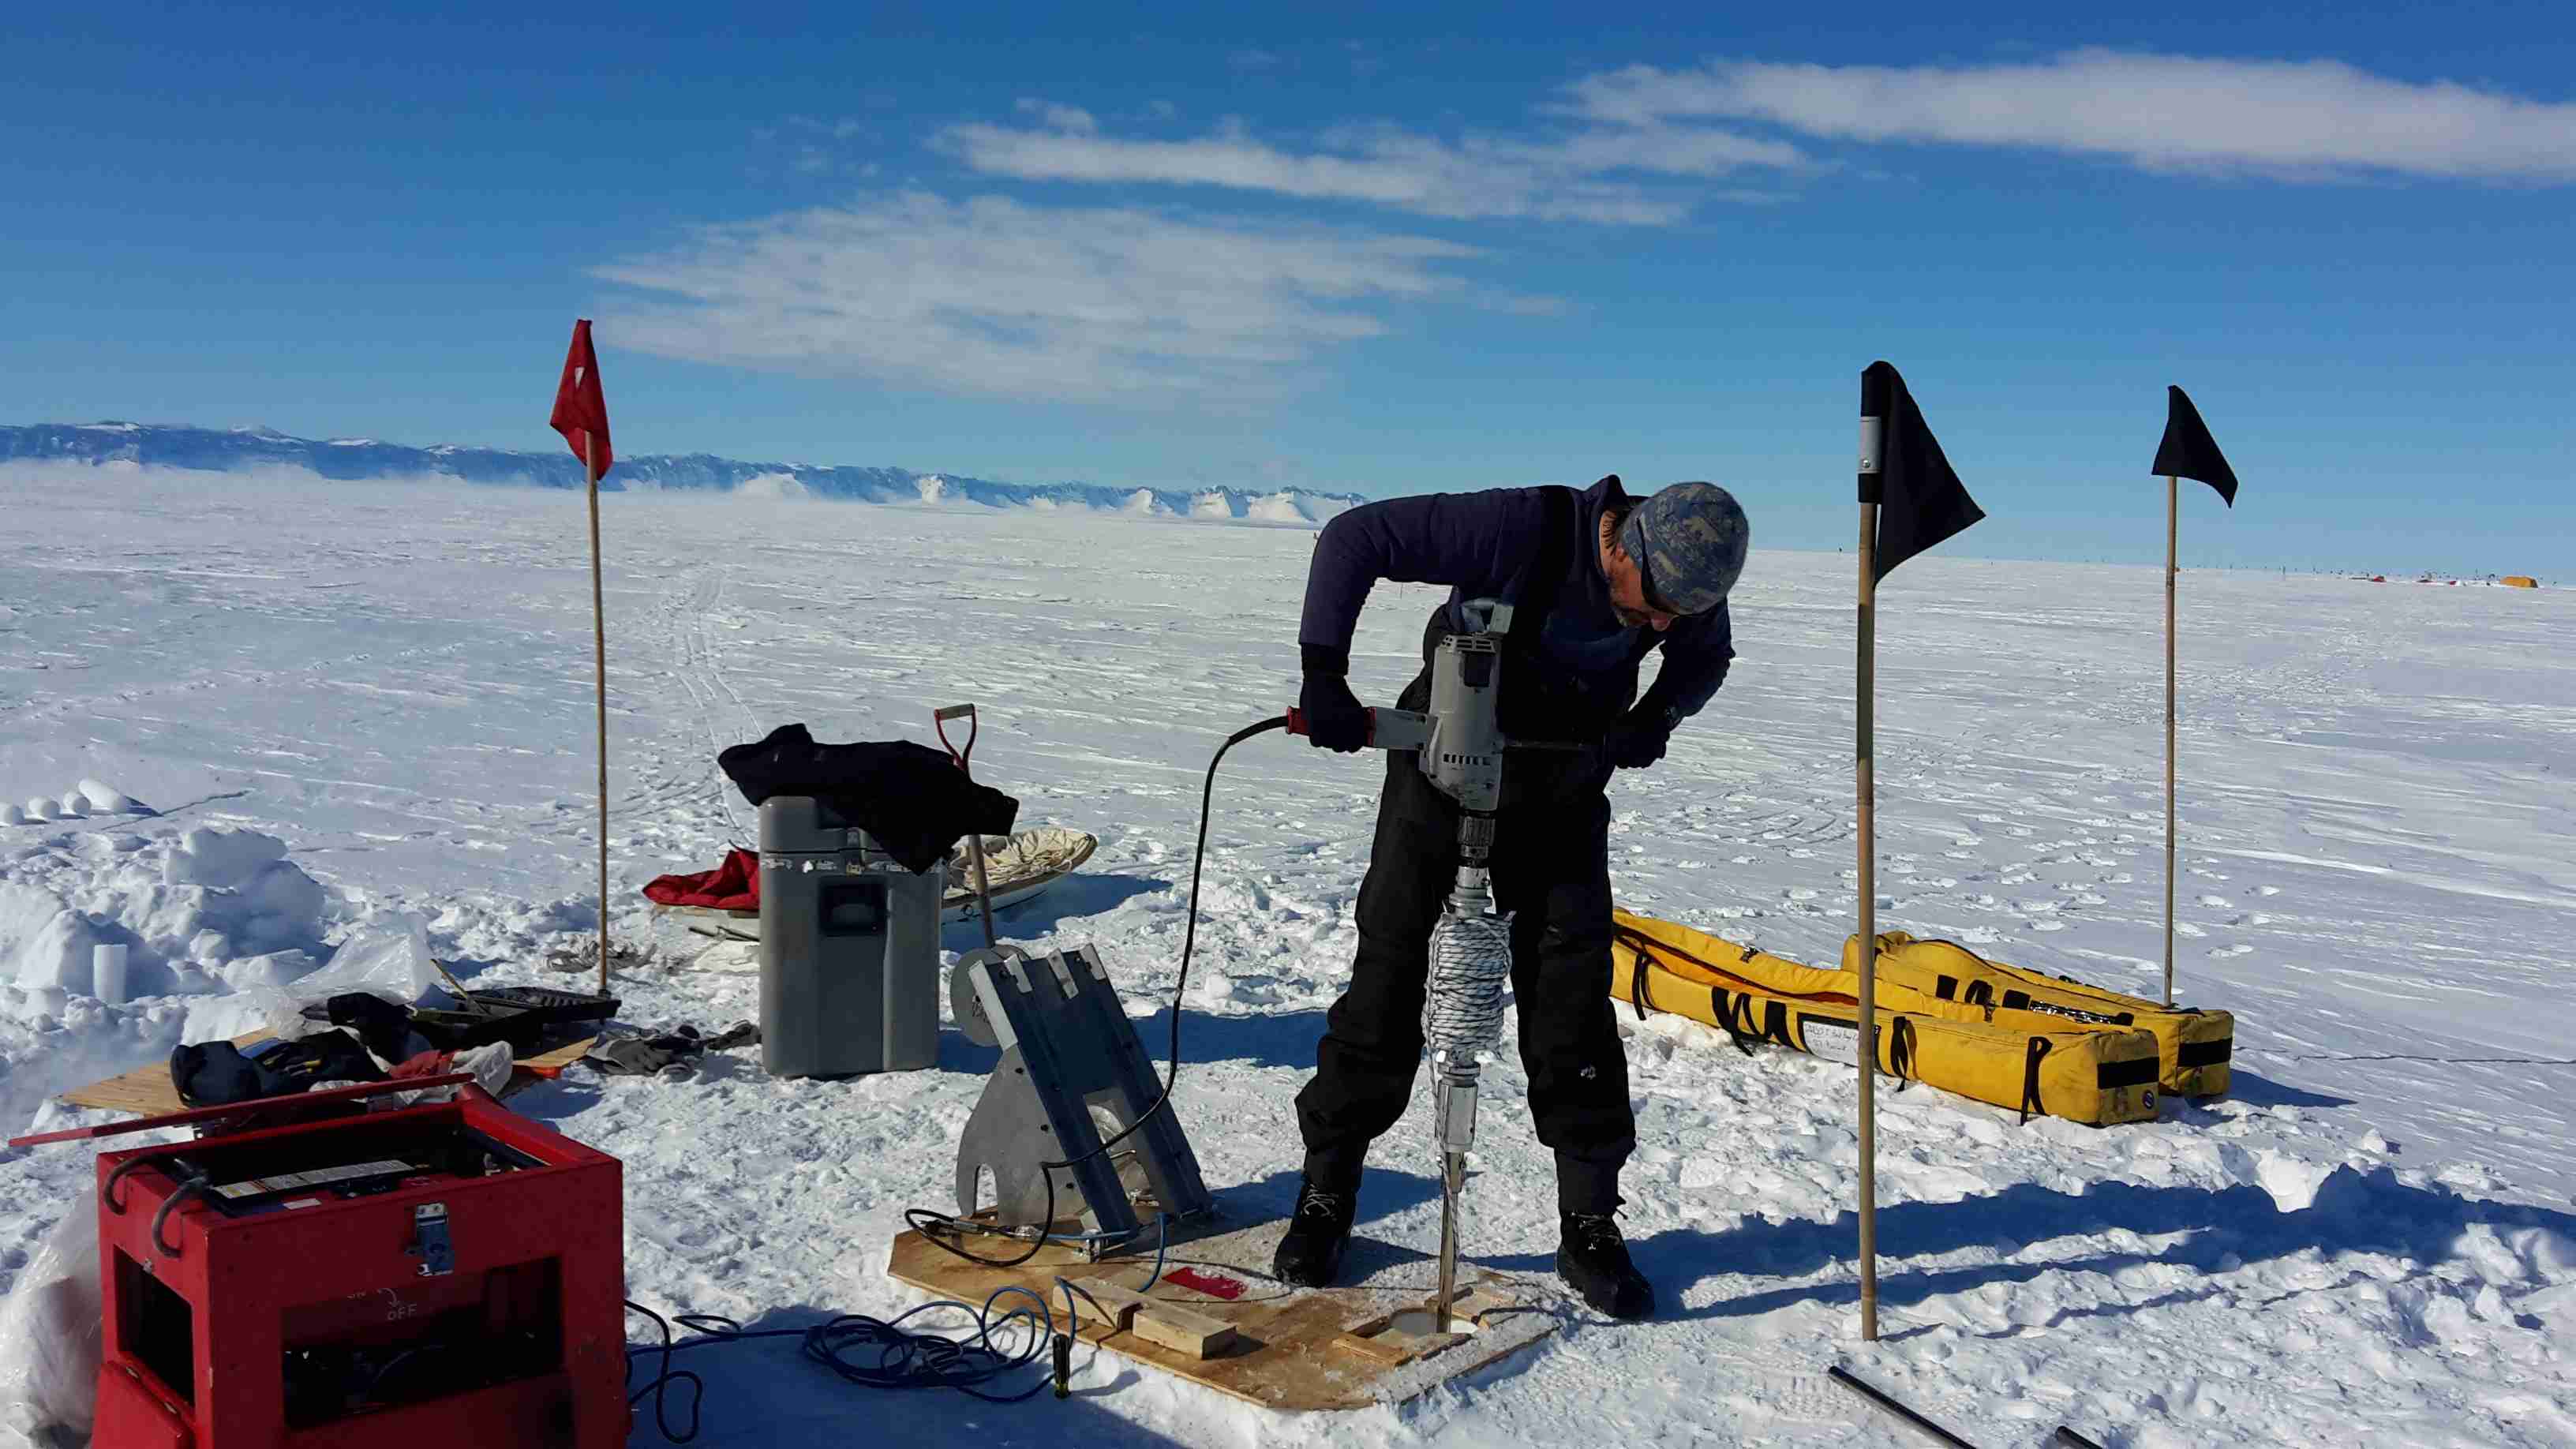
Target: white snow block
<point>27,914</point>
<point>104,797</point>
<point>221,859</point>
<point>211,895</point>
<point>39,808</point>
<point>13,815</point>
<point>285,906</point>
<point>57,954</point>
<point>71,806</point>
<point>276,968</point>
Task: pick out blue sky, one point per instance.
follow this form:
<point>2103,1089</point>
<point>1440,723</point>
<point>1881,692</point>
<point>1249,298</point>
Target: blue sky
<point>1328,248</point>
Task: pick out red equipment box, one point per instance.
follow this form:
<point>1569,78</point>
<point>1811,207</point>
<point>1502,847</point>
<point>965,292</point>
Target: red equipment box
<point>451,1274</point>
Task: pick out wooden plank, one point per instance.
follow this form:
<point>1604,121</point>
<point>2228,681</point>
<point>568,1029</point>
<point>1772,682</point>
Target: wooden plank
<point>1373,1344</point>
<point>1286,1355</point>
<point>1400,1347</point>
<point>144,1092</point>
<point>1115,1299</point>
<point>192,1116</point>
<point>1183,1330</point>
<point>704,912</point>
<point>148,1091</point>
<point>545,1064</point>
<point>1167,1289</point>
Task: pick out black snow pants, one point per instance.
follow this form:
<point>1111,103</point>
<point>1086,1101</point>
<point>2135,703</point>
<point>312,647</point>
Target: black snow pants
<point>1551,869</point>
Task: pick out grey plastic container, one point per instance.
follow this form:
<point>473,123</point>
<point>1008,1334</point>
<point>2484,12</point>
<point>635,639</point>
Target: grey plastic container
<point>849,948</point>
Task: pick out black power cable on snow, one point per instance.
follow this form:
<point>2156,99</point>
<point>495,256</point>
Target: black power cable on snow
<point>902,1358</point>
<point>932,1224</point>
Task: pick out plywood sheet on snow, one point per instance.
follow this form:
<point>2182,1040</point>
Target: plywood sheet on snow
<point>1286,1352</point>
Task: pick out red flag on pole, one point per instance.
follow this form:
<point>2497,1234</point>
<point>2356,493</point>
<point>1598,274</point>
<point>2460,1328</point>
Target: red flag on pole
<point>581,415</point>
<point>581,409</point>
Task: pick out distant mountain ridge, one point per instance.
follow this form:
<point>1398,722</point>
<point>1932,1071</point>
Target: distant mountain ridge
<point>226,450</point>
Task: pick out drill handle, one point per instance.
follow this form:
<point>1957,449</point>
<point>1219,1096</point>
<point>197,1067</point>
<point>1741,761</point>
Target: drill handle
<point>1389,729</point>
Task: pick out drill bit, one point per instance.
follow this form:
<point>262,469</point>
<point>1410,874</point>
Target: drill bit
<point>1462,1018</point>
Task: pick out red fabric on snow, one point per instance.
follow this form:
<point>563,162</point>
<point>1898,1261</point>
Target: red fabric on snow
<point>732,886</point>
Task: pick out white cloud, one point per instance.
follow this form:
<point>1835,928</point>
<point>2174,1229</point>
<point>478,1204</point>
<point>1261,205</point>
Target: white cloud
<point>2292,118</point>
<point>1590,175</point>
<point>992,296</point>
<point>1061,118</point>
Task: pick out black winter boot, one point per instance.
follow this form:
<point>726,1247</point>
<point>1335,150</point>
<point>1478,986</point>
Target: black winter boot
<point>1310,1256</point>
<point>1593,1261</point>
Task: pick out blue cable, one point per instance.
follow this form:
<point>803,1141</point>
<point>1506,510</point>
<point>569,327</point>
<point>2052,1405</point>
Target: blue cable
<point>1162,1240</point>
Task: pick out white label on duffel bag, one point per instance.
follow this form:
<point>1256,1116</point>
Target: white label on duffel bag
<point>1834,1041</point>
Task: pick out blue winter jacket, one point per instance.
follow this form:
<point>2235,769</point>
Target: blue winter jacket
<point>1483,545</point>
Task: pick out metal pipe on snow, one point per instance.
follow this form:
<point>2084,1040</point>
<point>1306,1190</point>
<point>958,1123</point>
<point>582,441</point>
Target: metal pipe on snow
<point>1909,1417</point>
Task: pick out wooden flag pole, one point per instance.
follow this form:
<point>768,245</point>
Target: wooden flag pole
<point>1900,466</point>
<point>599,639</point>
<point>1868,1037</point>
<point>2173,532</point>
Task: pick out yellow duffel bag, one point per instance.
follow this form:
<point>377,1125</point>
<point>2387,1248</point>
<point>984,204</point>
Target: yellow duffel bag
<point>2192,1046</point>
<point>2030,1064</point>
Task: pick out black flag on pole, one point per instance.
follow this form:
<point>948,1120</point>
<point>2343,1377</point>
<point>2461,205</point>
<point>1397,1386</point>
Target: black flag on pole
<point>2188,450</point>
<point>1921,501</point>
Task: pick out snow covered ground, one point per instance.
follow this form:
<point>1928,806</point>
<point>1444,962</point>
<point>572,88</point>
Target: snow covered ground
<point>2370,1243</point>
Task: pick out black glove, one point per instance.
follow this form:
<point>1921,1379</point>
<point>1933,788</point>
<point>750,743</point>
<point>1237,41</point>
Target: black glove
<point>1638,739</point>
<point>671,1054</point>
<point>1335,718</point>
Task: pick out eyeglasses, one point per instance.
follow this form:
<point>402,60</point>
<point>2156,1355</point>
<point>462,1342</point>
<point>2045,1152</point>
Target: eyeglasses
<point>1646,591</point>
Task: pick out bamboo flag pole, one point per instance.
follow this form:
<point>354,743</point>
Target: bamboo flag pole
<point>2186,451</point>
<point>1909,501</point>
<point>581,415</point>
<point>599,641</point>
<point>2173,533</point>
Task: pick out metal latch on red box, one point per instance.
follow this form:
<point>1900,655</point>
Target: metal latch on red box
<point>430,1241</point>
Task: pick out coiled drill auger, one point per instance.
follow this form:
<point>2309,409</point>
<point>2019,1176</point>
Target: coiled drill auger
<point>1462,744</point>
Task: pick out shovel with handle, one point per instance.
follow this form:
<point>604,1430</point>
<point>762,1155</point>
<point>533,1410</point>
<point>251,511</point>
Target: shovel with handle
<point>975,839</point>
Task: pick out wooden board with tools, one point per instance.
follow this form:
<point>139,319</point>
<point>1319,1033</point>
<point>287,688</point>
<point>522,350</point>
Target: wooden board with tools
<point>147,1091</point>
<point>1238,1331</point>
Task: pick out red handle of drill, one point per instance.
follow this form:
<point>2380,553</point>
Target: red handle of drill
<point>1297,724</point>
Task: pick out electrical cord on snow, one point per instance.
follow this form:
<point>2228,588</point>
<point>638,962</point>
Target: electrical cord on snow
<point>904,1358</point>
<point>929,1224</point>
